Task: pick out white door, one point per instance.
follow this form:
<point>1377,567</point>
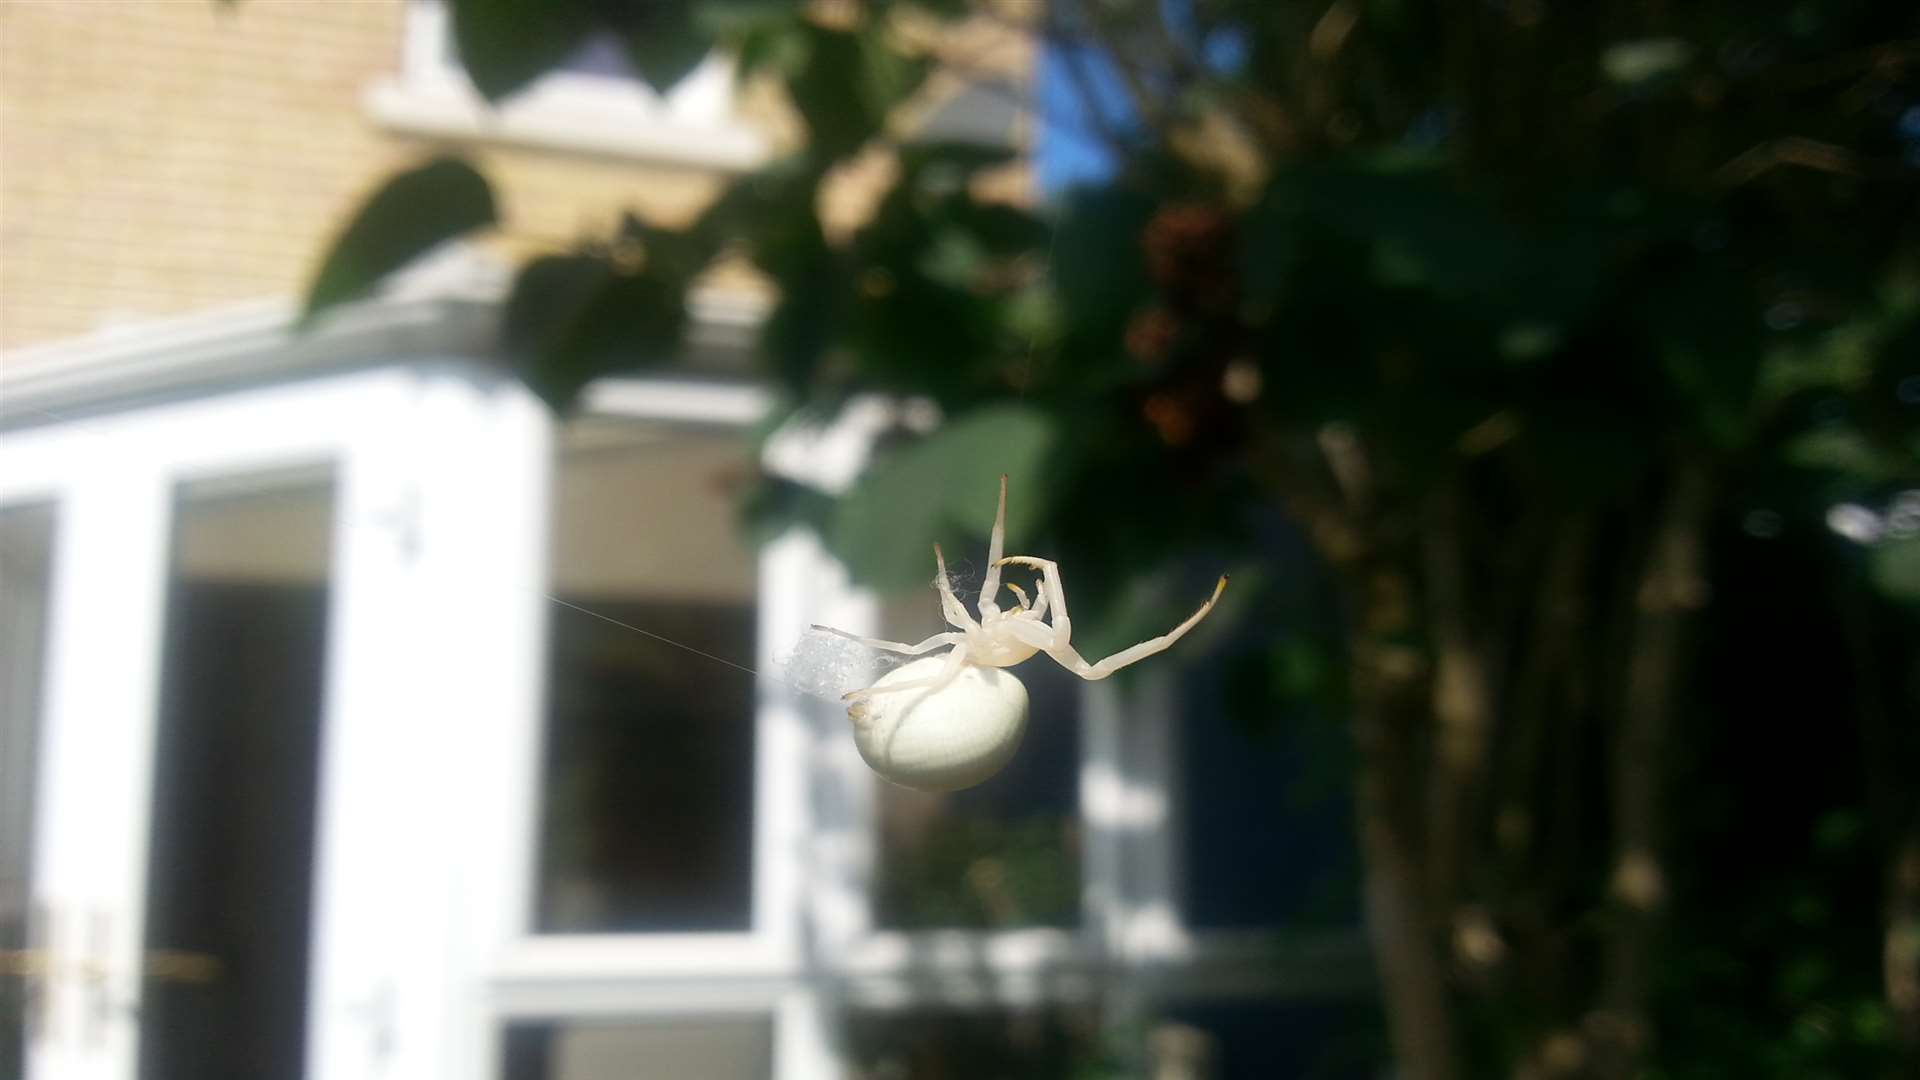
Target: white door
<point>225,662</point>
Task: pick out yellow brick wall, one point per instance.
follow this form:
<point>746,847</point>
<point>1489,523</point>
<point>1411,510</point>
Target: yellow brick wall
<point>158,156</point>
<point>163,156</point>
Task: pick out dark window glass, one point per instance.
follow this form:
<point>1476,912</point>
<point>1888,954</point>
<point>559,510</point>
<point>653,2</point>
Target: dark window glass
<point>26,579</point>
<point>1267,839</point>
<point>647,820</point>
<point>236,771</point>
<point>1258,1040</point>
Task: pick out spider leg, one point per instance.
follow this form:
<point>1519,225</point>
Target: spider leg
<point>990,585</point>
<point>1041,636</point>
<point>928,645</point>
<point>1051,590</point>
<point>1065,655</point>
<point>1022,594</point>
<point>955,660</point>
<point>950,604</point>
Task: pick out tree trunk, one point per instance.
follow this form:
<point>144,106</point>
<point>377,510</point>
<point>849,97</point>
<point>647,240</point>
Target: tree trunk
<point>1462,704</point>
<point>1400,924</point>
<point>1670,587</point>
<point>1900,948</point>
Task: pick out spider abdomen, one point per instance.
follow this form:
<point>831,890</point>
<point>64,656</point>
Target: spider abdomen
<point>943,738</point>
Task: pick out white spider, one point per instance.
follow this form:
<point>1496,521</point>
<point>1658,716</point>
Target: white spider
<point>968,719</point>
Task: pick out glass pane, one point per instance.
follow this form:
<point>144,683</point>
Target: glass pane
<point>601,53</point>
<point>235,776</point>
<point>26,578</point>
<point>647,822</point>
<point>684,1047</point>
<point>1255,1040</point>
<point>1026,1044</point>
<point>1280,768</point>
<point>1001,855</point>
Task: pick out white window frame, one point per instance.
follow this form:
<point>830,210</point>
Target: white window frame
<point>693,124</point>
<point>423,943</point>
<point>805,856</point>
<point>419,539</point>
<point>1132,951</point>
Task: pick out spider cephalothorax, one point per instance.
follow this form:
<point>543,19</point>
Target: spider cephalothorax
<point>968,716</point>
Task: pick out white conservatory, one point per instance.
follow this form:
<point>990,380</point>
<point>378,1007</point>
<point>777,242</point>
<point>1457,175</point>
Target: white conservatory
<point>339,740</point>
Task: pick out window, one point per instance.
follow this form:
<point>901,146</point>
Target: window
<point>533,840</point>
<point>26,576</point>
<point>231,834</point>
<point>593,103</point>
<point>649,795</point>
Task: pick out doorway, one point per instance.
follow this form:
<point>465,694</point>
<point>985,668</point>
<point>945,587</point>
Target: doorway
<point>231,851</point>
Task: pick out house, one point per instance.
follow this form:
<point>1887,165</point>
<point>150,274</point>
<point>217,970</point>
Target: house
<point>358,719</point>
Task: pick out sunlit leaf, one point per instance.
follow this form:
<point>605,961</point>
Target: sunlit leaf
<point>412,213</point>
<point>928,492</point>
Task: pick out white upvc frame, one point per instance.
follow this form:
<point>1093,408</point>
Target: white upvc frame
<point>433,481</point>
<point>809,853</point>
<point>1131,952</point>
<point>422,945</point>
<point>693,124</point>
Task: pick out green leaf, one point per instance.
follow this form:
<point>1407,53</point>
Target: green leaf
<point>505,44</point>
<point>849,84</point>
<point>940,487</point>
<point>665,43</point>
<point>763,35</point>
<point>1839,450</point>
<point>416,210</point>
<point>777,504</point>
<point>1894,568</point>
<point>572,319</point>
<point>1096,260</point>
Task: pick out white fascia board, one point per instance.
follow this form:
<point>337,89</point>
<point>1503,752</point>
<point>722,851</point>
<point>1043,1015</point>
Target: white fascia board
<point>229,346</point>
<point>220,348</point>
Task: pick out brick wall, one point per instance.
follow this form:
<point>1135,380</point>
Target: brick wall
<point>158,156</point>
<point>163,156</point>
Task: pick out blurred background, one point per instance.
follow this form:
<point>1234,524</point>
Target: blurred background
<point>427,428</point>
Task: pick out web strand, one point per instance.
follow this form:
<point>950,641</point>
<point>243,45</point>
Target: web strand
<point>663,639</point>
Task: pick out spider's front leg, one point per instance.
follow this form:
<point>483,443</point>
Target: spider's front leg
<point>996,541</point>
<point>950,605</point>
<point>951,666</point>
<point>932,643</point>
